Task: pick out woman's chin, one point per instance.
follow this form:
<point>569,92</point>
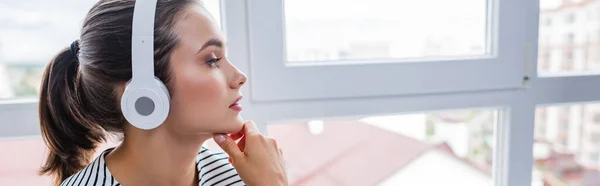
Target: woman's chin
<point>234,127</point>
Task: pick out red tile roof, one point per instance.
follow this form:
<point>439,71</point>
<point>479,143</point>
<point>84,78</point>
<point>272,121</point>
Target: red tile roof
<point>346,153</point>
<point>21,160</point>
<point>567,4</point>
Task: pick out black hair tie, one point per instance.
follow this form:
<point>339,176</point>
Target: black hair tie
<point>75,49</point>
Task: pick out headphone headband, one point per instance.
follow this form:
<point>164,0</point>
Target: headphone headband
<point>142,41</point>
<point>145,101</point>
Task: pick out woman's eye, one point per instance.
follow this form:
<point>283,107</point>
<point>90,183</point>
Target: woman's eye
<point>213,62</point>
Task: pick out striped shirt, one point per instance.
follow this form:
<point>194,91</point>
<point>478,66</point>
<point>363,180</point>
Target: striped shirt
<point>213,169</point>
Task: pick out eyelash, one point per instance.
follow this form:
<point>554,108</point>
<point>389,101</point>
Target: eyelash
<point>213,62</point>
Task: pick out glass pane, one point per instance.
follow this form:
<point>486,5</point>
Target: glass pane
<point>453,147</point>
<point>214,8</point>
<point>336,30</point>
<point>33,31</point>
<point>569,37</point>
<point>567,145</point>
<point>21,159</point>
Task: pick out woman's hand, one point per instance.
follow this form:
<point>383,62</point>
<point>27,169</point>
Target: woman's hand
<point>257,158</point>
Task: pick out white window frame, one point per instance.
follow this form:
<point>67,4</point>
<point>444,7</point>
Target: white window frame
<point>18,118</point>
<point>514,152</point>
<point>275,80</point>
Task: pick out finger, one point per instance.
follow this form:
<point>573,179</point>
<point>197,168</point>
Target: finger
<point>237,135</point>
<point>281,156</point>
<point>273,142</point>
<point>250,128</point>
<point>228,145</point>
<point>242,144</point>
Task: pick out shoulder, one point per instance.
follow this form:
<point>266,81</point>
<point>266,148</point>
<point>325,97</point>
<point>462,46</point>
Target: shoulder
<point>215,169</point>
<point>96,173</point>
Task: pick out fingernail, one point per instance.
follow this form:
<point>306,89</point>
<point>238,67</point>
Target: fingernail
<point>220,138</point>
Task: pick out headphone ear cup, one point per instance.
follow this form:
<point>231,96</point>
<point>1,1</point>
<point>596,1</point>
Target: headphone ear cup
<point>163,87</point>
<point>145,107</point>
<point>164,98</point>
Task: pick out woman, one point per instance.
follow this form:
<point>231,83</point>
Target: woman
<point>82,88</point>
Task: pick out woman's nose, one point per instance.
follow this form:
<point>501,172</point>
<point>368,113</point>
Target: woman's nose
<point>238,79</point>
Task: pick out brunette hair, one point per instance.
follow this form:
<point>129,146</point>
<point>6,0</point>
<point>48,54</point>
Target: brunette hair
<point>78,101</point>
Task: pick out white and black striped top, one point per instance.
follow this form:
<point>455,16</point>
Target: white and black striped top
<point>213,169</point>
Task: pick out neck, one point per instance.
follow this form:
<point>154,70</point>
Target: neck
<point>156,157</point>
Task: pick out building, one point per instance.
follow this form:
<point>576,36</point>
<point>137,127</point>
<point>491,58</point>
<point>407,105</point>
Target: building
<point>350,152</point>
<point>569,36</point>
<point>569,42</point>
<point>572,137</point>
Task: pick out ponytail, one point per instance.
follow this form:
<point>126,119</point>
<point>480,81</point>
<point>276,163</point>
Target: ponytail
<point>70,137</point>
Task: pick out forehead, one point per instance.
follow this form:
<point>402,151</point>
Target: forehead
<point>196,27</point>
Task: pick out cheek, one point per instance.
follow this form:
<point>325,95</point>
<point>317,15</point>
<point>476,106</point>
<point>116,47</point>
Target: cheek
<point>207,92</point>
<point>200,95</point>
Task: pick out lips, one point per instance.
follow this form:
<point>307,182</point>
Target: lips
<point>235,103</point>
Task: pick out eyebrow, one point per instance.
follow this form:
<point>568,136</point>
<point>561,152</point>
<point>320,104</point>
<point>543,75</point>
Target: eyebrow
<point>211,42</point>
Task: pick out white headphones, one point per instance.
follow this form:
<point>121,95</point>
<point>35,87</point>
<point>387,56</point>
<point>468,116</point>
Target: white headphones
<point>145,102</point>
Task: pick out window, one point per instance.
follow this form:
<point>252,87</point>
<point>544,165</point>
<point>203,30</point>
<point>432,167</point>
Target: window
<point>546,55</point>
<point>325,90</point>
<point>32,38</point>
<point>570,18</point>
<point>454,147</point>
<point>310,51</point>
<point>214,8</point>
<point>572,162</point>
<point>448,140</point>
<point>385,30</point>
<point>568,57</point>
<point>597,118</point>
<point>595,138</point>
<point>31,33</point>
<point>568,63</point>
<point>570,38</point>
<point>593,157</point>
<point>548,22</point>
<point>540,130</point>
<point>574,40</point>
